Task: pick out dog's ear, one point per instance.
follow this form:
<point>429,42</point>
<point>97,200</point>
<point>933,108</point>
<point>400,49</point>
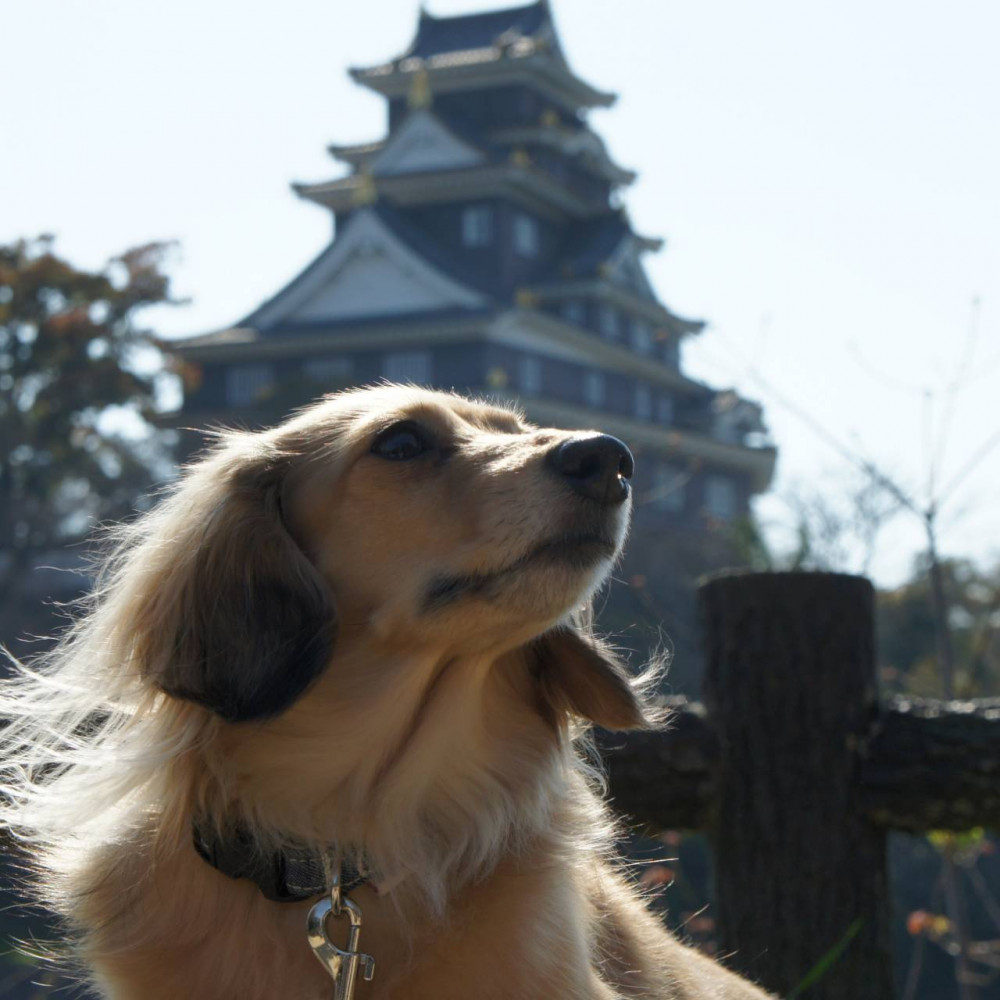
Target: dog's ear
<point>246,621</point>
<point>581,675</point>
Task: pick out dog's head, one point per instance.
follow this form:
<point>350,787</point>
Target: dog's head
<point>392,517</point>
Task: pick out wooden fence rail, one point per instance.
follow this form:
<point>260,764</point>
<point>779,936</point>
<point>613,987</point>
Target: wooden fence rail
<point>797,772</point>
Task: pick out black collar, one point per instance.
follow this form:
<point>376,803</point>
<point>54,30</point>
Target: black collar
<point>286,876</point>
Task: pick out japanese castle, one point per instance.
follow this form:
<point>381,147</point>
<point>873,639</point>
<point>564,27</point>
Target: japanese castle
<point>481,245</point>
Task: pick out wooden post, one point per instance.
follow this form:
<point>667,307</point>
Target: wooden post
<point>794,771</point>
<point>800,869</point>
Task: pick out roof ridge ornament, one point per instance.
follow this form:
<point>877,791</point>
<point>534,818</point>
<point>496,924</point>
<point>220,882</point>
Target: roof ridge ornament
<point>420,95</point>
<point>519,157</point>
<point>365,193</point>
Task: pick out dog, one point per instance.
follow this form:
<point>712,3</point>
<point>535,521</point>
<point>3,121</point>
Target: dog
<point>355,636</point>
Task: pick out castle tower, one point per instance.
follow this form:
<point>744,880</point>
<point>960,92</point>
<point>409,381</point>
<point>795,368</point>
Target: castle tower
<point>481,245</point>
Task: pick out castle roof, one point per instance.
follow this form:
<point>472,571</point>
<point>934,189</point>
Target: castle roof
<point>494,28</point>
<point>480,234</point>
<point>536,189</point>
<point>515,45</point>
<point>424,141</point>
<point>580,141</point>
<point>379,265</point>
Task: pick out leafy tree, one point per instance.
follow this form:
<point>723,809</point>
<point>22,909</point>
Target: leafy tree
<point>78,389</point>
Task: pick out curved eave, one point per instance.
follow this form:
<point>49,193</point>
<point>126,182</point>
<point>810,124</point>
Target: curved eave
<point>369,334</point>
<point>488,67</point>
<point>605,354</point>
<point>619,176</point>
<point>557,139</point>
<point>356,155</point>
<point>690,327</point>
<point>532,186</point>
<point>234,336</point>
<point>596,288</point>
<point>610,171</point>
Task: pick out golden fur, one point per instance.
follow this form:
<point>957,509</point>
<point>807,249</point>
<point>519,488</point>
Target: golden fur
<point>273,644</point>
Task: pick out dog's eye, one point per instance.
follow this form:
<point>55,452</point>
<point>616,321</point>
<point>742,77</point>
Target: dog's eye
<point>401,442</point>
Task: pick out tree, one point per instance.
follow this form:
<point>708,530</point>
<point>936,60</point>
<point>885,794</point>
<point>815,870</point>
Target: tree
<point>833,529</point>
<point>79,380</point>
<point>907,631</point>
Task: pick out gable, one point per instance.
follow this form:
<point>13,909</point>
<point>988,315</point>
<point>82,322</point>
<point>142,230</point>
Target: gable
<point>421,143</point>
<point>367,271</point>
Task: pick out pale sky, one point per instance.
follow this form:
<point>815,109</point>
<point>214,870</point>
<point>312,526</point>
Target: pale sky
<point>826,175</point>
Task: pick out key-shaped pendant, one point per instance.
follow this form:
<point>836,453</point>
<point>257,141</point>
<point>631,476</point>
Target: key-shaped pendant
<point>342,964</point>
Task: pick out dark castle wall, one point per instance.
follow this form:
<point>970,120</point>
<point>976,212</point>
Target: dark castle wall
<point>478,110</point>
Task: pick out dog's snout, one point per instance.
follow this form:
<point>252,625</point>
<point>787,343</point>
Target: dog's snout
<point>597,466</point>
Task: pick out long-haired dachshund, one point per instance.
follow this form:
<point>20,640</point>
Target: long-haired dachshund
<point>349,647</point>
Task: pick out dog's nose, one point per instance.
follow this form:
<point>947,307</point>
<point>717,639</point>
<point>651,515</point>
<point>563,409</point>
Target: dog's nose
<point>596,466</point>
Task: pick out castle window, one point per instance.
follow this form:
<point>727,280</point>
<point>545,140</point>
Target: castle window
<point>248,384</point>
<point>529,375</point>
<point>665,409</point>
<point>477,226</point>
<point>527,239</point>
<point>720,497</point>
<point>608,320</point>
<point>407,366</point>
<point>593,388</point>
<point>668,488</point>
<point>643,402</point>
<point>572,310</point>
<point>328,371</point>
<point>642,336</point>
